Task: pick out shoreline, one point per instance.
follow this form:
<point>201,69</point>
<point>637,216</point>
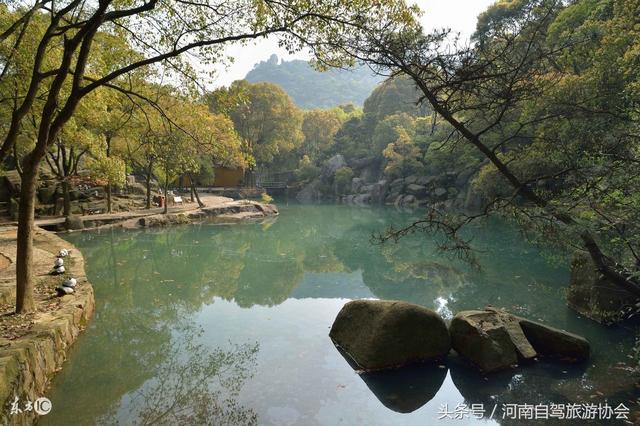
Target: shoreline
<point>30,358</point>
<point>34,347</point>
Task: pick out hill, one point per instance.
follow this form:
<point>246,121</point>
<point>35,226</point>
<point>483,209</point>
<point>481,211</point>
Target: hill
<point>313,89</point>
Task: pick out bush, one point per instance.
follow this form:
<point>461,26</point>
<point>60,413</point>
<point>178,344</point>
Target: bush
<point>306,171</point>
<point>266,198</point>
<point>342,180</point>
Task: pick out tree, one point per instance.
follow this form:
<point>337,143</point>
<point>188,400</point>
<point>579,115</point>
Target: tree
<point>515,97</point>
<point>319,128</point>
<point>403,156</point>
<point>268,120</point>
<point>159,32</point>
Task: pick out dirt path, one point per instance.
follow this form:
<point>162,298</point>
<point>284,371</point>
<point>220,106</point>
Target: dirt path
<point>207,199</point>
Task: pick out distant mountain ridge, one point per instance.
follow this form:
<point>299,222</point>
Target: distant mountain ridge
<point>313,89</point>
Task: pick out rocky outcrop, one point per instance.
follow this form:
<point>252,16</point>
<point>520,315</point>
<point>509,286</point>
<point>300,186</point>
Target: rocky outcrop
<point>322,186</point>
<point>594,296</point>
<point>384,334</point>
<point>494,340</point>
<point>331,166</point>
<point>412,191</point>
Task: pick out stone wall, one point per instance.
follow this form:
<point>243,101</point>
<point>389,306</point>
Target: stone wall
<point>29,362</point>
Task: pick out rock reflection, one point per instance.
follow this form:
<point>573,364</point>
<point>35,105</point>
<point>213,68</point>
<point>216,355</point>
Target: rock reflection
<point>405,389</point>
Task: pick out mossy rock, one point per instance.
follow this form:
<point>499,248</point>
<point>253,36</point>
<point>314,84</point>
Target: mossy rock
<point>384,334</point>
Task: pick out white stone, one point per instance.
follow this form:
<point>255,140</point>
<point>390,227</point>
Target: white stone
<point>71,282</point>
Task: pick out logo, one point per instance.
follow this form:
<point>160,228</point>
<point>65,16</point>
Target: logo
<point>42,406</point>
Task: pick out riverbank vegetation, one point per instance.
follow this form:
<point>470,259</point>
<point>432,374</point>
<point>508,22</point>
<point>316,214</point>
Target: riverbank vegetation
<point>535,118</point>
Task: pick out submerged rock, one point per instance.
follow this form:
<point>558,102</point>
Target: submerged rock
<point>383,334</point>
<point>494,340</point>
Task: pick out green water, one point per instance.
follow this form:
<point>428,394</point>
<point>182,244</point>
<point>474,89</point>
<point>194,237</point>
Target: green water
<point>228,324</point>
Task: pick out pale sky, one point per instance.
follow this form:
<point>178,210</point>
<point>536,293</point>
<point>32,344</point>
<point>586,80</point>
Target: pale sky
<point>459,15</point>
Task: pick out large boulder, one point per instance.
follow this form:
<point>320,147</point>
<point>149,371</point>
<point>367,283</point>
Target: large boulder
<point>493,340</point>
<point>310,192</point>
<point>550,342</point>
<point>331,166</point>
<point>356,184</point>
<point>46,194</point>
<point>379,334</point>
<point>417,190</point>
<point>378,191</point>
<point>594,296</point>
<point>482,339</point>
<point>362,199</point>
<point>440,192</point>
<point>73,223</point>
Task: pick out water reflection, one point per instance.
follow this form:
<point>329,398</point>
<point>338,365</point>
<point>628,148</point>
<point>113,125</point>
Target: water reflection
<point>280,284</point>
<point>196,385</point>
<point>406,389</point>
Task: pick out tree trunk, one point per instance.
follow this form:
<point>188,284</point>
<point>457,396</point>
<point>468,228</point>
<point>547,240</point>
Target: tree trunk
<point>194,191</point>
<point>109,198</point>
<point>166,191</point>
<point>148,182</point>
<point>66,197</point>
<point>24,256</point>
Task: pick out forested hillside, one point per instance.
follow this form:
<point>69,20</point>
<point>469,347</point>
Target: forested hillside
<point>314,89</point>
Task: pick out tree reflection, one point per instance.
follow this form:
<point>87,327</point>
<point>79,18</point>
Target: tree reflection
<point>194,385</point>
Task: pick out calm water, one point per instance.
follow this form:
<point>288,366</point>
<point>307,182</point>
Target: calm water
<point>228,324</point>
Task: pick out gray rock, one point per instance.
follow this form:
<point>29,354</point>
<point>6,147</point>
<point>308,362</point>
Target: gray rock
<point>482,339</point>
<point>46,194</point>
<point>410,179</point>
<point>366,189</point>
<point>416,190</point>
<point>331,166</point>
<point>378,191</point>
<point>464,177</point>
<point>310,192</point>
<point>440,192</point>
<point>384,334</point>
<point>73,223</point>
<point>493,339</point>
<point>362,199</point>
<point>63,291</point>
<point>356,184</point>
<point>408,200</point>
<point>397,182</point>
<point>550,342</point>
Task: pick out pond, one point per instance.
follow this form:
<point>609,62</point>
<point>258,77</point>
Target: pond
<point>228,324</point>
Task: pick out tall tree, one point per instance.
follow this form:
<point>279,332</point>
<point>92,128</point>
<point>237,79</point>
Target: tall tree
<point>159,31</point>
<point>517,94</point>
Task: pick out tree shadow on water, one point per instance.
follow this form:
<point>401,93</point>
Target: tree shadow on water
<point>194,384</point>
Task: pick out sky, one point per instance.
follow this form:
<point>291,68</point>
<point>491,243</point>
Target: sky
<point>459,15</point>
